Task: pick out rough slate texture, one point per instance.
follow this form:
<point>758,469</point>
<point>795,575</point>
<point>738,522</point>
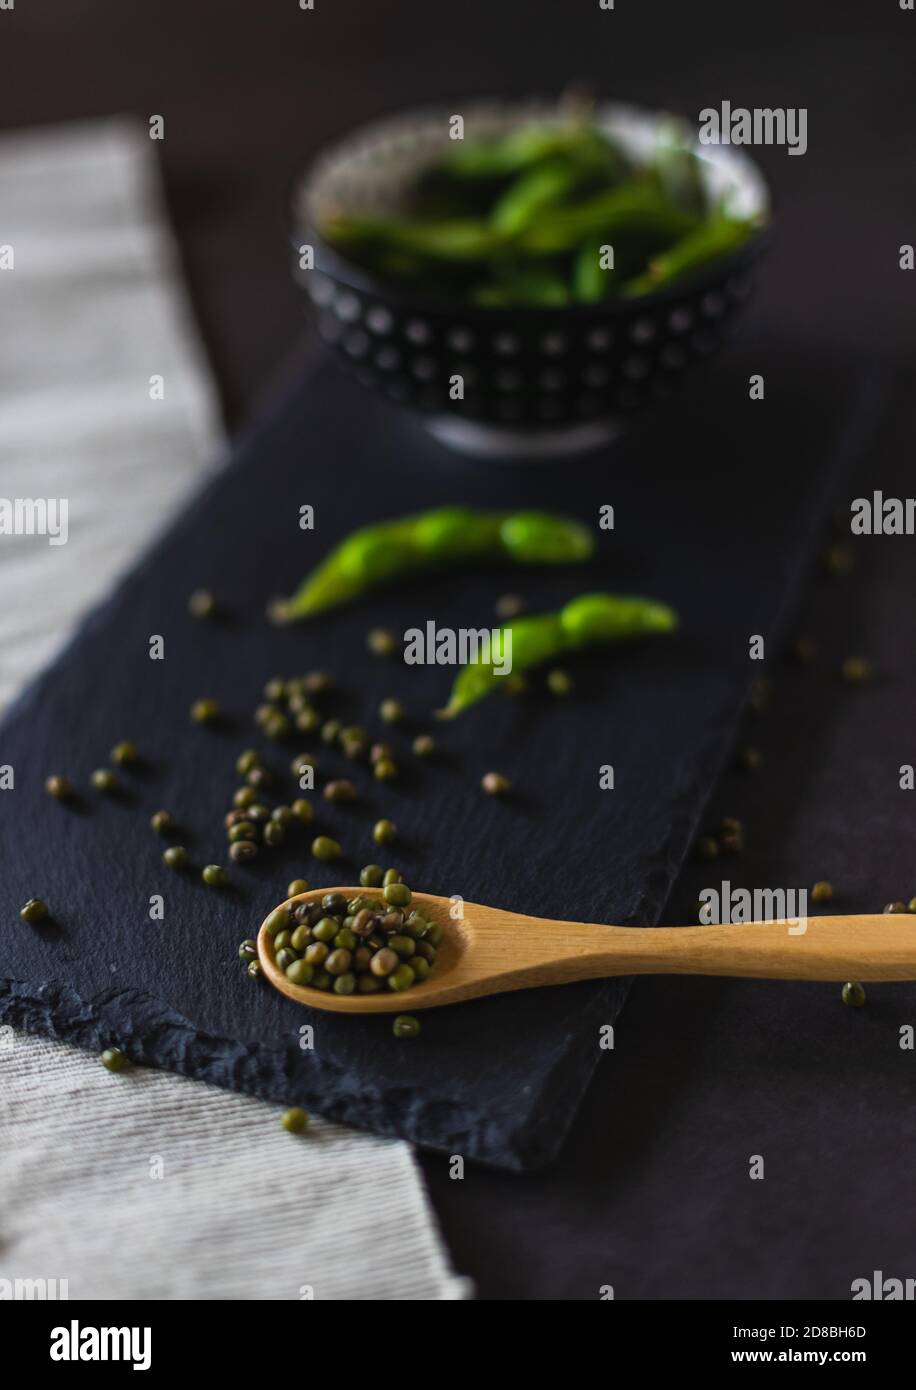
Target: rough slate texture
<point>722,533</point>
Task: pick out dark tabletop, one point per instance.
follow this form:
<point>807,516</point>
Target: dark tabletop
<point>652,1193</point>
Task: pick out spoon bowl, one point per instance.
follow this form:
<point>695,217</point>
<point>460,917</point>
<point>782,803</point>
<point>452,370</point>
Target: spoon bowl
<point>459,936</point>
<point>486,950</point>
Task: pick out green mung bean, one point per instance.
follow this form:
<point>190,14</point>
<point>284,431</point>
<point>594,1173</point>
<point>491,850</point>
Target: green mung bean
<point>61,788</point>
<point>294,1120</point>
<point>324,848</point>
<point>242,851</point>
<point>205,711</point>
<point>202,604</point>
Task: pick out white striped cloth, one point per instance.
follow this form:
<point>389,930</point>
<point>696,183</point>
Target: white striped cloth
<point>144,1184</point>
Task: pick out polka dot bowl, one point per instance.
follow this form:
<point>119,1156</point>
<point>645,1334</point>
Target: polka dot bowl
<point>533,382</point>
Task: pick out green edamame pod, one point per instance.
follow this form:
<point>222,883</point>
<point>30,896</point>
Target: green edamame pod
<point>704,243</point>
<point>526,146</point>
<point>436,539</point>
<point>449,239</point>
<point>589,618</point>
<point>539,188</point>
<point>511,220</point>
<point>679,169</point>
<point>590,282</point>
<point>610,617</point>
<point>531,285</point>
<point>631,207</point>
<point>453,532</point>
<point>541,538</point>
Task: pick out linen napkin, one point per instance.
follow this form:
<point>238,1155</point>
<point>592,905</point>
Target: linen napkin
<point>142,1185</point>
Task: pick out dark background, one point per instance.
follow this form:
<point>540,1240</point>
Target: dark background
<point>652,1193</point>
<point>249,88</point>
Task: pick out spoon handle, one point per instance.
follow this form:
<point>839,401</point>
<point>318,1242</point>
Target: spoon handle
<point>875,947</point>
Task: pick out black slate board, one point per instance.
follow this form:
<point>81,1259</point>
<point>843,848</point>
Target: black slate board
<point>716,502</point>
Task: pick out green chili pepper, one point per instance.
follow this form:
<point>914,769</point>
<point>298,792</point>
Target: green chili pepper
<point>446,536</point>
<point>585,620</point>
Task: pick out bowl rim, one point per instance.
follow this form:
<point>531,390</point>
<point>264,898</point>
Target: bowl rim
<point>339,268</point>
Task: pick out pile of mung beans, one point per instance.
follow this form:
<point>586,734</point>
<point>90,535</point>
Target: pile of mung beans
<point>360,945</point>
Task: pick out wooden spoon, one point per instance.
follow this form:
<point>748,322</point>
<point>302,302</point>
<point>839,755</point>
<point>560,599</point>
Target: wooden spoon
<point>489,951</point>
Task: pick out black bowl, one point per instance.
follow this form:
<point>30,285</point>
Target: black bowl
<point>536,381</point>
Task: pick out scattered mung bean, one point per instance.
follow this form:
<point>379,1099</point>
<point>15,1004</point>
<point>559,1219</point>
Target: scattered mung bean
<point>294,1120</point>
<point>324,848</point>
<point>559,682</point>
<point>509,606</point>
<point>856,670</point>
<point>242,851</point>
<point>340,790</point>
<point>34,911</point>
<point>381,642</point>
<point>202,604</point>
<point>205,711</point>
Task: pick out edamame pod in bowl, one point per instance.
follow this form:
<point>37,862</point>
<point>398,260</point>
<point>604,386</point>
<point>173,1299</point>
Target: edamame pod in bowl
<point>589,619</point>
<point>437,539</point>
